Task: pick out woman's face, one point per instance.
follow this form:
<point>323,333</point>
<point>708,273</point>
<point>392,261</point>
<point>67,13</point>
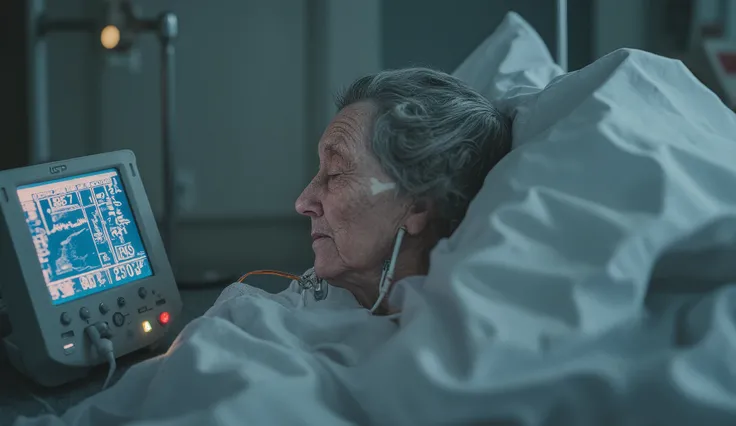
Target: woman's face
<point>352,203</point>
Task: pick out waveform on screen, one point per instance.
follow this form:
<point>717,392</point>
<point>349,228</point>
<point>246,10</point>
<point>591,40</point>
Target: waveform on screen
<point>67,225</point>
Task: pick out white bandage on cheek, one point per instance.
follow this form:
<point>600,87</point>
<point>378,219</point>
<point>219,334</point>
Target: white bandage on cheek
<point>378,187</point>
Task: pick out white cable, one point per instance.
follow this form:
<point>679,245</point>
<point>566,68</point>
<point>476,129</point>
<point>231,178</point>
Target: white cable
<point>381,285</point>
<point>43,402</point>
<point>104,349</point>
<point>388,273</point>
<point>111,368</point>
<point>384,271</point>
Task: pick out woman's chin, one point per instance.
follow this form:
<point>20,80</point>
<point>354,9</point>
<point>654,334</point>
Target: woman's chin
<point>319,268</point>
<point>323,267</point>
<point>325,259</point>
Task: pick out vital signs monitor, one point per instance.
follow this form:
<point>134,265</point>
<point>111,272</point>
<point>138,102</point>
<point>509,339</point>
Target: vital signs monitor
<point>83,270</point>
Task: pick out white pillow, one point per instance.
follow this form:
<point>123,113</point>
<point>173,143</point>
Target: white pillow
<point>512,61</point>
<point>614,167</point>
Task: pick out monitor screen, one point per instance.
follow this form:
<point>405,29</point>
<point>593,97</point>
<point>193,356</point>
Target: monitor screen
<point>84,233</point>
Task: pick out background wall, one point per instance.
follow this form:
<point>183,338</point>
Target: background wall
<point>255,80</point>
<point>240,129</point>
<point>439,34</point>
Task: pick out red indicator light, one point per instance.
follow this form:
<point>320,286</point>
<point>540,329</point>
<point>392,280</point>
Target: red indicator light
<point>164,318</point>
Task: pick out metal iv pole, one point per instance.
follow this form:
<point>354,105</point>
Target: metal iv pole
<point>562,33</point>
<point>165,26</point>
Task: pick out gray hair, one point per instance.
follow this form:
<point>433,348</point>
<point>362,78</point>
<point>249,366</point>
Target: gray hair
<point>434,135</point>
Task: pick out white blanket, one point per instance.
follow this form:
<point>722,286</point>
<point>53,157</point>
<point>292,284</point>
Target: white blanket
<point>539,311</point>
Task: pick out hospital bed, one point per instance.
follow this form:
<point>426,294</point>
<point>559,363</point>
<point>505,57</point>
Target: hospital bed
<point>539,309</point>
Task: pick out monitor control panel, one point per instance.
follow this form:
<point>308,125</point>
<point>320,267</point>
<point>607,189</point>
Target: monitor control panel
<point>134,319</point>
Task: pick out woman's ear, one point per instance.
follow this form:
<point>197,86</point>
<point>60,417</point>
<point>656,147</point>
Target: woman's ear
<point>418,218</point>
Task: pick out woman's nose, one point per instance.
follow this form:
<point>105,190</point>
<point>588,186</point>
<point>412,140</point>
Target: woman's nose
<point>308,204</point>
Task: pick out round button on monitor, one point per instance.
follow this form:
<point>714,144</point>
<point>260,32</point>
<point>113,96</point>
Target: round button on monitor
<point>142,292</point>
<point>121,302</point>
<point>104,309</point>
<point>65,318</point>
<point>84,313</point>
<point>118,319</point>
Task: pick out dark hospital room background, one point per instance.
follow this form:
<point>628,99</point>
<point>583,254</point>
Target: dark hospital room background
<point>254,85</point>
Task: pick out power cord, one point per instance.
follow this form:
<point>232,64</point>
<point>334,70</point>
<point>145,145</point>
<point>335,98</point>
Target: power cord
<point>99,334</point>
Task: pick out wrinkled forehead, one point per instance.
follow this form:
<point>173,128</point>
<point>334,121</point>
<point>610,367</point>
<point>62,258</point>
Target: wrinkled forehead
<point>349,132</point>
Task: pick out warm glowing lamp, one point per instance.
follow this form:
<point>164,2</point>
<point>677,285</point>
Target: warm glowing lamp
<point>110,37</point>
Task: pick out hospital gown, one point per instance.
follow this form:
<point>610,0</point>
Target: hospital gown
<point>335,296</point>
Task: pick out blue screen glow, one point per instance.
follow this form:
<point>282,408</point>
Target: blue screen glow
<point>85,234</point>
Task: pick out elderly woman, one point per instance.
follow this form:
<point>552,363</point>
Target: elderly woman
<point>399,164</point>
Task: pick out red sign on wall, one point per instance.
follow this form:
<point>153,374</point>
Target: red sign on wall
<point>728,62</point>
